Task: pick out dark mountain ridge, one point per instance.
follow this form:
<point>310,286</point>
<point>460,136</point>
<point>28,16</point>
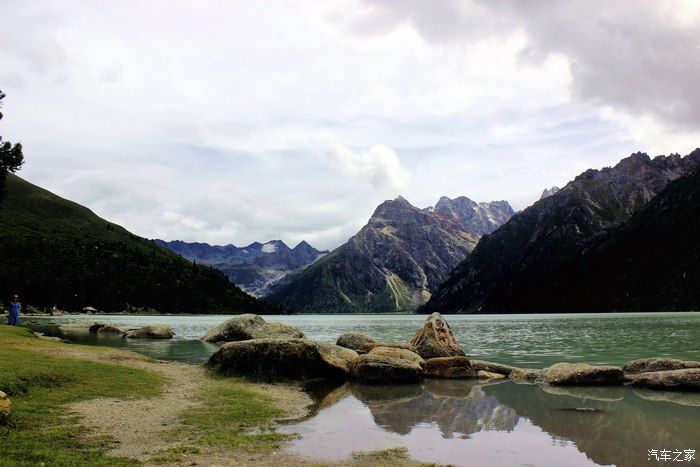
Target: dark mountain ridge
<point>508,269</point>
<point>57,252</point>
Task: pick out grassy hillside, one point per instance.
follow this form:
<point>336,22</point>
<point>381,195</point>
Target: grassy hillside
<point>56,252</point>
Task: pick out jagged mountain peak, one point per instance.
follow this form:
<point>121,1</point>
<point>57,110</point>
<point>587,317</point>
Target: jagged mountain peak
<point>549,191</point>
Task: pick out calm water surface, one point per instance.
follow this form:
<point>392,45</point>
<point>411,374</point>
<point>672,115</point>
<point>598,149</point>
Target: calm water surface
<point>472,423</point>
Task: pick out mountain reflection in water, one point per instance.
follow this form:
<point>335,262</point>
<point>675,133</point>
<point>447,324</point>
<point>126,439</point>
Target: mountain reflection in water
<point>499,423</point>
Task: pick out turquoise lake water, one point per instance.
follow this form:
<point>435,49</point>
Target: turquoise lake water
<point>469,422</point>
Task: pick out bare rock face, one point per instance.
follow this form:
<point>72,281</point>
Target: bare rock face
<point>389,365</point>
<point>644,365</point>
<point>354,340</point>
<point>283,358</point>
<point>686,379</point>
<point>435,339</point>
<point>449,367</point>
<point>581,374</point>
<point>249,326</point>
<point>153,331</point>
<point>5,407</point>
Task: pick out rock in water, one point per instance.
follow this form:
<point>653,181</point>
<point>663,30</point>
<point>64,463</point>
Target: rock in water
<point>283,358</point>
<point>685,379</point>
<point>581,374</point>
<point>644,365</point>
<point>101,328</point>
<point>249,326</point>
<point>449,367</point>
<point>489,375</point>
<point>389,365</point>
<point>524,375</point>
<point>368,347</point>
<point>5,407</point>
<point>153,331</point>
<point>354,340</point>
<point>435,339</point>
<point>481,365</point>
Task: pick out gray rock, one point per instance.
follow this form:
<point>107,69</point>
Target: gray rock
<point>154,331</point>
<point>581,374</point>
<point>686,379</point>
<point>249,326</point>
<point>368,347</point>
<point>101,328</point>
<point>524,375</point>
<point>481,365</point>
<point>283,358</point>
<point>658,364</point>
<point>388,365</point>
<point>354,340</point>
<point>435,339</point>
<point>449,367</point>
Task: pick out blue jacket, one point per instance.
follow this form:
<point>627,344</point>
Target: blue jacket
<point>15,308</point>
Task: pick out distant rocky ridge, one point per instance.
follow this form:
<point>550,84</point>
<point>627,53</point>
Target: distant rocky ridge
<point>395,261</point>
<point>549,192</point>
<point>516,268</point>
<point>255,268</point>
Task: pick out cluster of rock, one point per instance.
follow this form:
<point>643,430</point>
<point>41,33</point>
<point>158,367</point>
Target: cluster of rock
<point>253,347</point>
<point>151,331</point>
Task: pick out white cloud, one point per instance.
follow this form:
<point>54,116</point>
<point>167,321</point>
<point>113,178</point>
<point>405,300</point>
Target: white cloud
<point>379,165</point>
<point>250,121</point>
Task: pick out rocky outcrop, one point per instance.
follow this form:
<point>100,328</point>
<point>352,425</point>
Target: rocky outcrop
<point>250,326</point>
<point>449,367</point>
<point>283,358</point>
<point>354,340</point>
<point>686,379</point>
<point>435,339</point>
<point>153,331</point>
<point>581,374</point>
<point>388,365</point>
<point>644,365</point>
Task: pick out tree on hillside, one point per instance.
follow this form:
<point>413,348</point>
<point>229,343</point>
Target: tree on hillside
<point>11,158</point>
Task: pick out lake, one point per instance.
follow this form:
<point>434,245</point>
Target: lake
<point>468,422</point>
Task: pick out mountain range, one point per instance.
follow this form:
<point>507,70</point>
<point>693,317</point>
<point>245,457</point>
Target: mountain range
<point>255,268</point>
<point>620,238</point>
<point>55,252</point>
<point>395,261</point>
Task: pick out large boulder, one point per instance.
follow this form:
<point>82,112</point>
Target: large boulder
<point>481,365</point>
<point>249,326</point>
<point>435,339</point>
<point>524,375</point>
<point>581,374</point>
<point>153,331</point>
<point>449,367</point>
<point>644,365</point>
<point>283,358</point>
<point>389,365</point>
<point>687,379</point>
<point>369,347</point>
<point>354,340</point>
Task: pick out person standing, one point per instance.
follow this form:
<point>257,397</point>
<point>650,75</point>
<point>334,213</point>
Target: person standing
<point>15,307</point>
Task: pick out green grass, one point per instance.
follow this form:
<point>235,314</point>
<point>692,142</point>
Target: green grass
<point>234,417</point>
<point>40,428</point>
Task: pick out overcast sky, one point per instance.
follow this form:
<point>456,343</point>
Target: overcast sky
<point>231,122</point>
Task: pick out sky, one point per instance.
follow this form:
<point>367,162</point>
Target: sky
<point>234,122</point>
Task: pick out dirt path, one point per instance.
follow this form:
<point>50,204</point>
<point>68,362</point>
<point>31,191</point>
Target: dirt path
<point>143,428</point>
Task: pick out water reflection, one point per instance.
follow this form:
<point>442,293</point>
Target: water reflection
<point>465,422</point>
